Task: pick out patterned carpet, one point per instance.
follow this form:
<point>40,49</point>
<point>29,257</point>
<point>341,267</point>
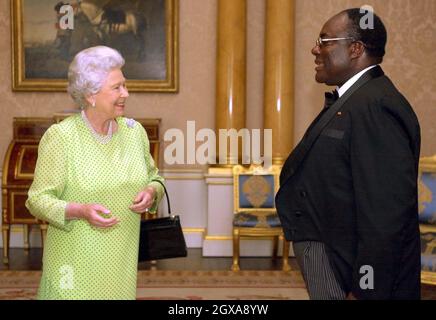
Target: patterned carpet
<point>183,285</point>
<point>191,285</point>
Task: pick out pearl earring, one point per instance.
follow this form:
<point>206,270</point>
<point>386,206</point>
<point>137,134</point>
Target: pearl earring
<point>93,104</point>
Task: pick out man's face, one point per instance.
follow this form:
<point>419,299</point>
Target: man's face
<point>332,59</point>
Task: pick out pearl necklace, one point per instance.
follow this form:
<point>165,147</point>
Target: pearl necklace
<point>100,138</point>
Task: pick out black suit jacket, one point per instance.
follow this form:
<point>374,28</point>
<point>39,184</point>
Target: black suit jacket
<point>351,183</point>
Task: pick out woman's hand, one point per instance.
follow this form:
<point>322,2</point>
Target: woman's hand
<point>144,200</point>
<point>96,215</point>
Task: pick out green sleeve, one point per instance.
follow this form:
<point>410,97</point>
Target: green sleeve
<point>152,171</point>
<point>45,194</point>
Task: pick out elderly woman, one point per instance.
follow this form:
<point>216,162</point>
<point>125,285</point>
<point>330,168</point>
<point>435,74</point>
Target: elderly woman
<point>93,178</point>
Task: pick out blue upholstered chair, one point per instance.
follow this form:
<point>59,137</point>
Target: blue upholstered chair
<point>427,218</point>
<point>254,190</point>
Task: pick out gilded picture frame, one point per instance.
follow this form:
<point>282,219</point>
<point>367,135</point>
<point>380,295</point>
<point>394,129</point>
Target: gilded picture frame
<point>144,31</point>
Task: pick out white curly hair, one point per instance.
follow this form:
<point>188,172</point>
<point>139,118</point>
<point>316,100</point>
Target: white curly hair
<point>88,72</point>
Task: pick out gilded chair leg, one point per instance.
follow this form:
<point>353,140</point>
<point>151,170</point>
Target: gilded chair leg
<point>26,237</point>
<point>5,234</point>
<point>286,266</point>
<point>235,265</point>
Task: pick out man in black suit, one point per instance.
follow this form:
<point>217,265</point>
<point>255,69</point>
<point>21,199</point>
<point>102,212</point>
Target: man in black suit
<point>348,195</point>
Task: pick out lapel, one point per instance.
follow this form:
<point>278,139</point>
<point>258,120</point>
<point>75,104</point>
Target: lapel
<point>293,162</point>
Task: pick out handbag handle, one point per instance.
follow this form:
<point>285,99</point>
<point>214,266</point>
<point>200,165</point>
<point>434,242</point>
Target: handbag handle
<point>166,194</point>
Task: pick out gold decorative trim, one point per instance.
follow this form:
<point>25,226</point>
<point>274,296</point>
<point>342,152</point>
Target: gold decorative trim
<point>278,161</point>
<point>13,220</point>
<point>6,164</point>
<point>182,177</point>
<point>156,150</point>
<point>16,229</point>
<point>20,228</point>
<point>427,163</point>
<point>257,232</point>
<point>219,183</point>
<point>194,230</point>
<point>217,238</point>
<point>427,228</point>
<point>428,277</point>
<point>17,172</point>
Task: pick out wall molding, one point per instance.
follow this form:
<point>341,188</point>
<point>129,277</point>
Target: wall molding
<point>182,174</point>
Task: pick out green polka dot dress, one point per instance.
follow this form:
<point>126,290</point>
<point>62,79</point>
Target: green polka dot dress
<point>81,261</point>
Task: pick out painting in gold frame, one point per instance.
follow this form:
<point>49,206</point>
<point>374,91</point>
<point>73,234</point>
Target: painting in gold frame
<point>144,31</point>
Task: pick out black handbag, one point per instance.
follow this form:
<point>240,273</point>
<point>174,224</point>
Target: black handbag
<point>162,238</point>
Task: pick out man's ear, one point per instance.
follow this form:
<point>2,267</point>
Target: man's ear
<point>357,49</point>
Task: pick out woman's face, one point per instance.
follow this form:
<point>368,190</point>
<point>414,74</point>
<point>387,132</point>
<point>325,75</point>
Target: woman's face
<point>111,99</point>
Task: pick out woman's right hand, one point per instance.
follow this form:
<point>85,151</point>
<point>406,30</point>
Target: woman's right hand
<point>93,213</point>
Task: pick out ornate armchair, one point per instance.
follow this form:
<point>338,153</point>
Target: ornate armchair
<point>254,190</point>
<point>427,218</point>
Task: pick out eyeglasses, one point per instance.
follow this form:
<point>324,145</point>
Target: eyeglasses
<point>320,41</point>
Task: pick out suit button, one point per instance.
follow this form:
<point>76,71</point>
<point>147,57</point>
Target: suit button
<point>298,213</point>
<point>303,194</point>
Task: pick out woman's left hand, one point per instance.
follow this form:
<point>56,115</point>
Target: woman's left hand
<point>144,200</point>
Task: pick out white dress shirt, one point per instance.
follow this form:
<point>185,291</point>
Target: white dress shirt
<point>352,81</point>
